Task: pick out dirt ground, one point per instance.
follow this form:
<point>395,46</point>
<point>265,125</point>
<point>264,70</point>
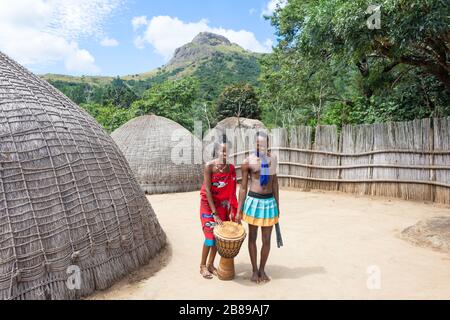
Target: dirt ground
<point>336,246</point>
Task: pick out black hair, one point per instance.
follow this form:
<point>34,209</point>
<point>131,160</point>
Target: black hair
<point>263,135</point>
<point>218,144</point>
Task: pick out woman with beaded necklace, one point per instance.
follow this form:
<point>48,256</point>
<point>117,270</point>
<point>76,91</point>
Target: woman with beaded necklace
<point>218,203</point>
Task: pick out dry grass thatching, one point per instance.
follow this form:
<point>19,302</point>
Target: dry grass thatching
<point>164,156</point>
<point>240,134</point>
<point>433,232</point>
<point>67,196</point>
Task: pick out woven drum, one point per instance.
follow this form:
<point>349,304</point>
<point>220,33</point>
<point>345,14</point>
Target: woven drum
<point>229,238</point>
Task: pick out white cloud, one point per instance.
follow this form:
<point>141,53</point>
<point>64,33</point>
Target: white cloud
<point>166,34</point>
<point>109,42</point>
<point>272,5</point>
<point>138,22</point>
<point>139,42</point>
<point>268,43</point>
<point>41,32</point>
<point>251,11</point>
<point>244,38</point>
<point>81,59</point>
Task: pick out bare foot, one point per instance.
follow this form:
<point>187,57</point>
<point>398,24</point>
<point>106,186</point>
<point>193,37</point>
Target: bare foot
<point>263,276</point>
<point>255,277</point>
<point>205,273</point>
<point>212,269</point>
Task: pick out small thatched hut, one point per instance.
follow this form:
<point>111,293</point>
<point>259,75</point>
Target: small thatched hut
<point>72,217</point>
<point>240,133</point>
<point>164,156</point>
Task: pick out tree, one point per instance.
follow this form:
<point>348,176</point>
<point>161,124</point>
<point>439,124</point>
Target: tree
<point>238,100</point>
<point>109,116</point>
<point>173,99</point>
<point>119,94</point>
<point>205,112</point>
<point>329,67</point>
<point>413,32</point>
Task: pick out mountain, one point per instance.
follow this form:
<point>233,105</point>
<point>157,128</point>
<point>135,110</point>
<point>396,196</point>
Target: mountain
<point>203,46</point>
<point>211,58</point>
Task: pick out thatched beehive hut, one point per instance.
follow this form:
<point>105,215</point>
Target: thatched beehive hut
<point>72,217</point>
<point>239,132</point>
<point>164,156</point>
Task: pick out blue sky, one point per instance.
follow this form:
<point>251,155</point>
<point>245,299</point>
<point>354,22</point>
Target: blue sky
<point>119,37</point>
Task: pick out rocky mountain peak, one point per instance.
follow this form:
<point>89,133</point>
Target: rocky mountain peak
<point>210,39</point>
<point>203,45</point>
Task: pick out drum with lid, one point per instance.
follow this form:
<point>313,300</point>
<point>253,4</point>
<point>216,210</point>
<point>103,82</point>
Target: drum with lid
<point>229,238</point>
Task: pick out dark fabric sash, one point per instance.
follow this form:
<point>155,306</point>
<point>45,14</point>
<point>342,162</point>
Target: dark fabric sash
<point>260,195</point>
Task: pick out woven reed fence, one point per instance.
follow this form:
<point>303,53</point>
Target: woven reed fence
<point>68,197</point>
<point>409,160</point>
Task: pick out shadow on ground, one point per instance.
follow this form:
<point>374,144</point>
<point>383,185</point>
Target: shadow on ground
<point>275,272</point>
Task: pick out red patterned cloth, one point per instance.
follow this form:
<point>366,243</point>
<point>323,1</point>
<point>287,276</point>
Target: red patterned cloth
<point>223,190</point>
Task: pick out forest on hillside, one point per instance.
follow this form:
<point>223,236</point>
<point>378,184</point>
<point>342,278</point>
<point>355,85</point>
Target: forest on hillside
<point>181,94</point>
<point>330,66</point>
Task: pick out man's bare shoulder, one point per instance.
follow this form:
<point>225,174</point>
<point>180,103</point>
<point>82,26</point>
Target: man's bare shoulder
<point>273,156</point>
<point>250,160</point>
<point>273,163</point>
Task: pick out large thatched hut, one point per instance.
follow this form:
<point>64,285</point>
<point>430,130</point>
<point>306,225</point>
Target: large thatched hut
<point>240,134</point>
<point>72,217</point>
<point>164,156</point>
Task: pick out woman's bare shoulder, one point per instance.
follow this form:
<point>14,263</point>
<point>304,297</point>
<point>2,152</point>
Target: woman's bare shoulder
<point>209,165</point>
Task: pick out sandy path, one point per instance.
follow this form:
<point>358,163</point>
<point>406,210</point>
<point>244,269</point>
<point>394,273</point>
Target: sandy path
<point>330,241</point>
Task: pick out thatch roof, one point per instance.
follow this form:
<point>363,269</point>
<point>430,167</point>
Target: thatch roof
<point>67,196</point>
<point>432,232</point>
<point>153,145</point>
<point>236,123</point>
<point>237,130</point>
